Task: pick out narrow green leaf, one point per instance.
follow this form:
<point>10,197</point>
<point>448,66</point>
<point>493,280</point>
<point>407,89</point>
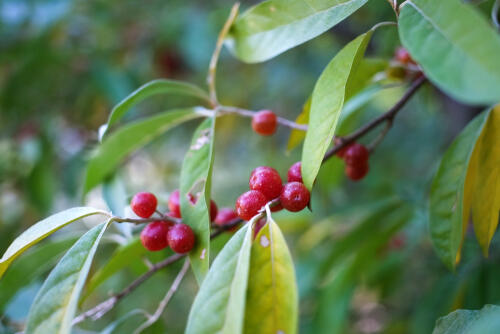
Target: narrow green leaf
<point>449,208</point>
<point>485,320</point>
<point>56,303</point>
<point>462,59</point>
<point>328,98</point>
<point>131,137</point>
<point>29,267</point>
<point>121,258</point>
<point>219,306</point>
<point>196,175</point>
<point>43,229</point>
<point>482,186</point>
<point>274,26</point>
<point>132,319</point>
<point>272,297</point>
<point>155,87</point>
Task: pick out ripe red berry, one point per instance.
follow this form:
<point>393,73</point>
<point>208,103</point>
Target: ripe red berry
<point>295,173</point>
<point>294,196</point>
<point>264,122</point>
<point>260,169</point>
<point>226,216</point>
<point>276,208</point>
<point>181,238</point>
<point>356,154</point>
<point>144,204</point>
<point>340,153</point>
<point>357,172</point>
<point>175,206</point>
<point>154,235</point>
<point>249,204</point>
<point>403,56</point>
<point>267,181</point>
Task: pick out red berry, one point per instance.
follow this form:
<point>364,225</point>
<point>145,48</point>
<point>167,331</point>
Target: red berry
<point>181,238</point>
<point>340,153</point>
<point>144,204</point>
<point>356,154</point>
<point>357,172</point>
<point>277,207</point>
<point>267,181</point>
<point>294,172</point>
<point>260,169</point>
<point>249,204</point>
<point>154,235</point>
<point>175,206</point>
<point>264,122</point>
<point>226,216</point>
<point>294,196</point>
<point>403,56</point>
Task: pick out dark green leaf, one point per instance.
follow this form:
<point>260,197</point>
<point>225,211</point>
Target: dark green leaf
<point>484,321</point>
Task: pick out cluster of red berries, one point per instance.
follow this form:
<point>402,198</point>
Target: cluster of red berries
<point>356,159</point>
<point>266,185</point>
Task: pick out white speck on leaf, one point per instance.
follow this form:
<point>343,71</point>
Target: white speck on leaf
<point>264,241</point>
<point>202,256</point>
<point>203,139</point>
<point>280,332</point>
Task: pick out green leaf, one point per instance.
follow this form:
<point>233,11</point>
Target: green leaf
<point>482,321</point>
<point>275,26</point>
<point>132,319</point>
<point>196,175</point>
<point>328,98</point>
<point>121,258</point>
<point>155,87</point>
<point>43,229</point>
<point>56,303</point>
<point>29,267</point>
<point>219,306</point>
<point>272,297</point>
<point>462,59</point>
<point>449,208</point>
<point>131,137</point>
<point>296,136</point>
<point>482,185</point>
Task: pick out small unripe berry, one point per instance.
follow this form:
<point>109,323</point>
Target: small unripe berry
<point>226,216</point>
<point>181,238</point>
<point>267,181</point>
<point>175,206</point>
<point>356,154</point>
<point>144,204</point>
<point>357,172</point>
<point>295,173</point>
<point>264,122</point>
<point>249,204</point>
<point>294,196</point>
<point>403,56</point>
<point>154,235</point>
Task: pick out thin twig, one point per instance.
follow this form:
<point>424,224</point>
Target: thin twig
<point>215,56</point>
<point>104,307</point>
<point>164,302</point>
<point>249,113</point>
<point>147,220</point>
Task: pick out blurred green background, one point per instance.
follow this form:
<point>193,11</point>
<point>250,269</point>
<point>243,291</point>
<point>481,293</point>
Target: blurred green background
<point>363,258</point>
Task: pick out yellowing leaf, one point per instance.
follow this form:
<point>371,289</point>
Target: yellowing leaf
<point>272,298</point>
<point>296,136</point>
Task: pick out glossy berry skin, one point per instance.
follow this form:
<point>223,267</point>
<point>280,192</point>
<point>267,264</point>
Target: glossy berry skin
<point>226,216</point>
<point>403,56</point>
<point>295,173</point>
<point>264,122</point>
<point>267,181</point>
<point>294,196</point>
<point>154,235</point>
<point>357,172</point>
<point>174,205</point>
<point>249,204</point>
<point>144,204</point>
<point>181,238</point>
<point>356,154</point>
<point>260,169</point>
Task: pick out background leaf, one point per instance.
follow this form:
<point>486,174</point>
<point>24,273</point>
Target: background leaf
<point>41,230</point>
<point>56,303</point>
<point>274,26</point>
<point>196,178</point>
<point>220,304</point>
<point>129,138</point>
<point>272,297</point>
<point>327,101</point>
<point>155,87</point>
<point>449,207</point>
<point>482,321</point>
<point>462,59</point>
